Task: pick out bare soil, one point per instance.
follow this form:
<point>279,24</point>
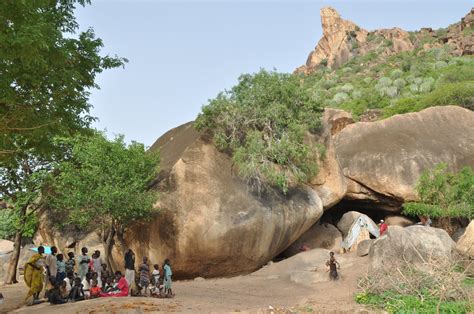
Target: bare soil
<point>248,293</point>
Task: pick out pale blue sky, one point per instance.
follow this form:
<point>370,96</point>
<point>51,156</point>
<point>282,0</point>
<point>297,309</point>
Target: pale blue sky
<point>183,53</point>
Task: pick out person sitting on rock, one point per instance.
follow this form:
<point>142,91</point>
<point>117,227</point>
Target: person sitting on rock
<point>333,266</point>
<point>383,227</point>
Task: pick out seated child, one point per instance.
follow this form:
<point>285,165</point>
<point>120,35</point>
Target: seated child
<point>54,295</point>
<point>63,289</point>
<point>109,285</point>
<point>95,290</point>
<point>77,292</point>
<point>86,285</point>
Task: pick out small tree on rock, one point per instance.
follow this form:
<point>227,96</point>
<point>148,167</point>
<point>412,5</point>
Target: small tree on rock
<point>443,194</point>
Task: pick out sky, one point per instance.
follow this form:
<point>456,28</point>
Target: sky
<point>183,53</point>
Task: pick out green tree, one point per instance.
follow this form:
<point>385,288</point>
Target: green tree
<point>263,122</point>
<point>105,184</point>
<point>443,194</point>
<point>46,72</point>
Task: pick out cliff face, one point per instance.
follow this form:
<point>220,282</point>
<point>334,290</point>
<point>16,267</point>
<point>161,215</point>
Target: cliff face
<point>343,39</point>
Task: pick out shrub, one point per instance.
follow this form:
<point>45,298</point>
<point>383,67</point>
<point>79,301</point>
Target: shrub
<point>356,94</point>
<point>425,87</point>
<point>384,81</point>
<point>396,74</point>
<point>440,64</point>
<point>399,83</point>
<point>262,122</point>
<point>418,80</point>
<point>367,80</point>
<point>444,194</point>
<point>340,97</point>
<point>347,88</point>
<point>460,94</point>
<point>324,62</point>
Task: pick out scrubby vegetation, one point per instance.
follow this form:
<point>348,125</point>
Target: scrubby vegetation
<point>444,194</point>
<point>263,122</point>
<point>401,83</point>
<point>438,285</point>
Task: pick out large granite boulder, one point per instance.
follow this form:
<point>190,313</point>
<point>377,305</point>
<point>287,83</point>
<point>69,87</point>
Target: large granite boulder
<point>398,221</point>
<point>346,221</point>
<point>465,244</point>
<point>387,157</point>
<point>325,236</point>
<point>210,223</point>
<point>6,246</point>
<point>413,244</point>
<point>330,183</point>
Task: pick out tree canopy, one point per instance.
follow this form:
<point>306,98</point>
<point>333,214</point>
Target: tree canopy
<point>262,122</point>
<point>46,73</point>
<point>104,183</point>
<point>444,194</point>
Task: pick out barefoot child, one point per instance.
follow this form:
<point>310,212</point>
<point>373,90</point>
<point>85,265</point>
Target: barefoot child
<point>333,266</point>
<point>144,274</point>
<point>167,278</point>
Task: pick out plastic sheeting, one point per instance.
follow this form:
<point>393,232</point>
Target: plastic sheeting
<point>362,222</point>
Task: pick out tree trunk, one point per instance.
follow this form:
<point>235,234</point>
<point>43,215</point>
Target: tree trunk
<point>13,264</point>
<point>121,239</point>
<point>108,242</point>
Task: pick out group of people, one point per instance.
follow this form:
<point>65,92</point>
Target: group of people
<point>85,277</point>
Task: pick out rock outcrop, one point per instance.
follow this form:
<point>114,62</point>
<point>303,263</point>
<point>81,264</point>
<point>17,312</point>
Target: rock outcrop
<point>465,244</point>
<point>325,236</point>
<point>330,183</point>
<point>342,40</point>
<point>398,221</point>
<point>387,157</point>
<point>209,223</point>
<point>334,47</point>
<point>413,244</point>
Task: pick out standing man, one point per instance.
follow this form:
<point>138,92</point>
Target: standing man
<point>130,267</point>
<point>383,227</point>
<point>51,268</point>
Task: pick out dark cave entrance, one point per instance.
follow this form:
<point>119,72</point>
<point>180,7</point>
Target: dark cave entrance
<point>375,211</point>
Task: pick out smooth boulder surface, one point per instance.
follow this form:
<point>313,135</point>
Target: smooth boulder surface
<point>210,223</point>
<point>330,183</point>
<point>363,247</point>
<point>398,221</point>
<point>465,244</point>
<point>413,244</point>
<point>348,219</point>
<point>6,246</point>
<point>388,156</point>
<point>325,236</point>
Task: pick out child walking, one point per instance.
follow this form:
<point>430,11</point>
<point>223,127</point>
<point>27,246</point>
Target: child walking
<point>167,280</point>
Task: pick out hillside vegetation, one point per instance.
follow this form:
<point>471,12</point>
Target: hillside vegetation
<point>401,83</point>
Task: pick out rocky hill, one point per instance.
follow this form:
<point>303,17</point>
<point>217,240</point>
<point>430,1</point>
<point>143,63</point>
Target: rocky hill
<point>343,40</point>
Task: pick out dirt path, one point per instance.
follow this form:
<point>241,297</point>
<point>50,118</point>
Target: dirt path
<point>251,293</point>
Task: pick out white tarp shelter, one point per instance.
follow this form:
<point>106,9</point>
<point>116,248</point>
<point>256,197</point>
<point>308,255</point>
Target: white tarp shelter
<point>363,221</point>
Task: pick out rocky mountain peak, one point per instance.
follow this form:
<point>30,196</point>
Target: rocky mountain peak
<point>342,40</point>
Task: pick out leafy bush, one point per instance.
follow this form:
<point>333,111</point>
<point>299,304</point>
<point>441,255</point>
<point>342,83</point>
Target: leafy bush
<point>460,94</point>
<point>399,83</point>
<point>444,194</point>
<point>347,88</point>
<point>262,122</point>
<point>339,98</point>
<point>441,64</point>
<point>396,74</point>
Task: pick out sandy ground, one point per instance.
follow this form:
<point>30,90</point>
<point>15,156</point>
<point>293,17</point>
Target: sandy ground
<point>250,293</point>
